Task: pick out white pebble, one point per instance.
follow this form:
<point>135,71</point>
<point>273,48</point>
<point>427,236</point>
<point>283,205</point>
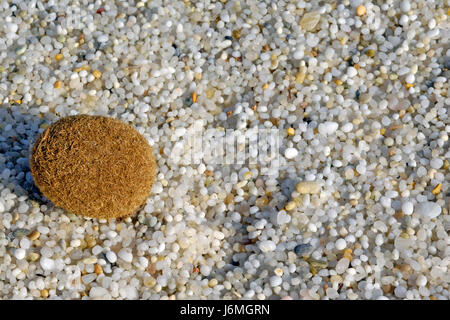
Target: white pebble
<point>405,5</point>
<point>340,244</point>
<point>328,127</point>
<point>102,38</point>
<point>428,209</point>
<point>342,265</point>
<point>410,78</point>
<point>125,254</point>
<point>351,72</point>
<point>275,281</point>
<point>290,153</point>
<point>436,163</point>
<point>408,208</point>
<point>267,246</point>
<point>111,256</point>
<point>47,264</point>
<point>98,292</point>
<point>19,253</point>
<point>421,280</point>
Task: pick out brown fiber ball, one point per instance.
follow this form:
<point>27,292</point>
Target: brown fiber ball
<point>94,166</point>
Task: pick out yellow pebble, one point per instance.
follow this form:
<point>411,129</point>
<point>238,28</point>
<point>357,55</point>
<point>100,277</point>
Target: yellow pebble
<point>290,131</point>
<point>247,175</point>
<point>34,235</point>
<point>437,189</point>
<point>194,97</point>
<point>57,84</point>
<point>290,205</point>
<point>348,254</point>
<point>361,10</point>
<point>18,101</point>
<point>382,131</point>
<point>149,282</point>
<point>265,86</point>
<point>370,53</point>
<point>98,269</point>
<point>446,165</point>
<point>278,271</point>
<point>338,82</point>
<point>97,74</point>
<point>212,283</point>
<point>59,56</point>
<point>300,77</point>
<point>44,293</point>
<point>409,85</point>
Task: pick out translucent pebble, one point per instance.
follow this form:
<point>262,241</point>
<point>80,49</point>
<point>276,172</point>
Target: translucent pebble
<point>328,127</point>
<point>205,270</point>
<point>102,38</point>
<point>275,281</point>
<point>25,243</point>
<point>305,187</point>
<point>428,209</point>
<point>23,208</point>
<point>405,5</point>
<point>309,21</point>
<point>342,265</point>
<point>98,292</point>
<point>88,278</point>
<point>436,163</point>
<point>267,245</point>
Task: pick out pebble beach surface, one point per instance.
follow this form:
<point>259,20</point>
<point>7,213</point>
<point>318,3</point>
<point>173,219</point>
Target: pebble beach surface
<point>358,91</point>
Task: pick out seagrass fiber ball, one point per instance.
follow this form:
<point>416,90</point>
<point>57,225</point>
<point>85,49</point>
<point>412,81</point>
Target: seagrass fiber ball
<point>94,166</point>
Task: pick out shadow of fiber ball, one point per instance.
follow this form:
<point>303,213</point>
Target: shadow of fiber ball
<point>94,166</point>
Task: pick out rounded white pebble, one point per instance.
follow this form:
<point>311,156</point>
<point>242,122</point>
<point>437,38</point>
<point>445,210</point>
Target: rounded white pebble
<point>47,264</point>
<point>111,256</point>
<point>352,72</point>
<point>267,246</point>
<point>407,208</point>
<point>421,280</point>
<point>275,281</point>
<point>340,244</point>
<point>125,254</point>
<point>436,163</point>
<point>328,127</point>
<point>102,38</point>
<point>290,153</point>
<point>19,253</point>
<point>410,78</point>
<point>405,5</point>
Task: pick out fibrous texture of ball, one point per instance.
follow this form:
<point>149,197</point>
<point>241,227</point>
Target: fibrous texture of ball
<point>93,166</point>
